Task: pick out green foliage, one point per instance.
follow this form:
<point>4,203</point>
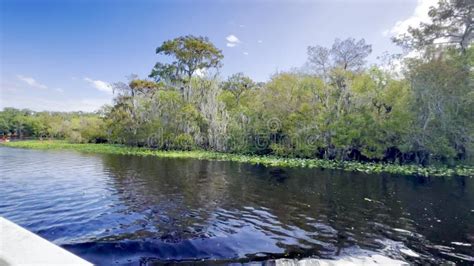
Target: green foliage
<point>262,160</point>
<point>442,106</point>
<point>237,85</point>
<point>76,127</point>
<point>183,142</point>
<point>87,129</point>
<point>451,23</point>
<point>331,116</point>
<point>189,54</point>
<point>145,87</point>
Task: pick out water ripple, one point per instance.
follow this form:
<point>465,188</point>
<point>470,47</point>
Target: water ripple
<point>125,209</point>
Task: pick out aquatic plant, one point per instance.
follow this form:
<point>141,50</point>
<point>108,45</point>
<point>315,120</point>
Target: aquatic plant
<point>461,170</point>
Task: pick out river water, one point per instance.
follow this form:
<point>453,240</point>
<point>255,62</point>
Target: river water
<point>112,209</point>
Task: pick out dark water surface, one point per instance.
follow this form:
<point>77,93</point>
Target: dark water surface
<point>124,209</point>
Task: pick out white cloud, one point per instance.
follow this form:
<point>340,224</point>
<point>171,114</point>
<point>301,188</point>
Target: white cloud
<point>245,53</point>
<point>31,81</point>
<point>200,72</point>
<point>232,40</point>
<point>419,15</point>
<point>242,26</point>
<point>59,90</point>
<point>260,41</point>
<point>100,85</point>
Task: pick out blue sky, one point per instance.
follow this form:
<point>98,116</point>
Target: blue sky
<point>61,55</point>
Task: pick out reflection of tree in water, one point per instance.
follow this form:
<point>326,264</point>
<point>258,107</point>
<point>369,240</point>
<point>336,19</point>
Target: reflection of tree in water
<point>174,197</point>
<point>343,209</point>
<point>303,211</point>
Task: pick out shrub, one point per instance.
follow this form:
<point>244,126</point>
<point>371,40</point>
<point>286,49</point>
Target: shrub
<point>183,142</point>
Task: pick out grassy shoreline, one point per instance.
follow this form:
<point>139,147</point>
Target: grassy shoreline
<point>253,159</point>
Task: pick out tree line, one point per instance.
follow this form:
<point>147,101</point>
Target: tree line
<point>335,107</point>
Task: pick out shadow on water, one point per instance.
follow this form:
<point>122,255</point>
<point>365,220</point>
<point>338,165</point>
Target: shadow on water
<point>127,209</point>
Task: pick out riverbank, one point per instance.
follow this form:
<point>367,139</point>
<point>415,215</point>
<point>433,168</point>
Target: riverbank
<point>253,159</point>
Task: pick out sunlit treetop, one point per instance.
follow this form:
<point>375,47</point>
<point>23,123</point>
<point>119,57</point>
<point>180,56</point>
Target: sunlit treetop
<point>189,54</point>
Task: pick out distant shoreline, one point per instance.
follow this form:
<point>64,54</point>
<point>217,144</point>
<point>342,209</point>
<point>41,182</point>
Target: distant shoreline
<point>274,161</point>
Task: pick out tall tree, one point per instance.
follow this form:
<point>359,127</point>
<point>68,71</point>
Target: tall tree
<point>189,54</point>
<point>443,106</point>
<point>237,84</point>
<point>348,54</point>
<point>452,22</point>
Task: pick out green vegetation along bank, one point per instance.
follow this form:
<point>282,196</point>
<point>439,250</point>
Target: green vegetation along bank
<point>402,110</point>
<point>253,159</point>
